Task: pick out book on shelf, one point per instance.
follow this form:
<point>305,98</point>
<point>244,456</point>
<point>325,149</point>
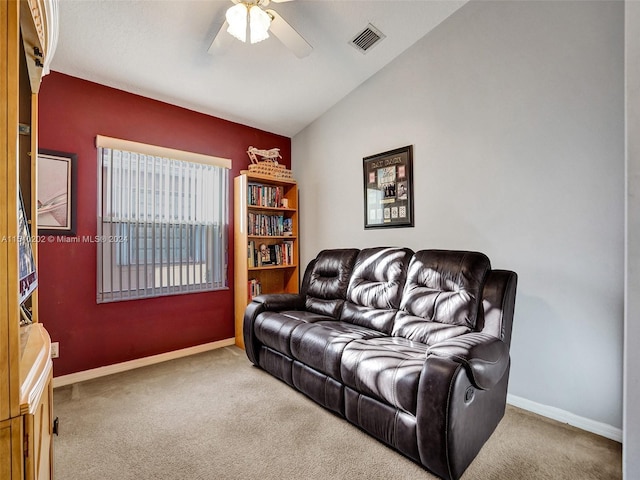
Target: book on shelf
<point>263,254</point>
<point>251,257</point>
<point>266,225</point>
<point>287,227</point>
<point>288,252</point>
<point>275,252</point>
<point>254,288</point>
<point>265,195</point>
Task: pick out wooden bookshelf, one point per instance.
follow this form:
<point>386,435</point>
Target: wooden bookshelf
<point>260,219</point>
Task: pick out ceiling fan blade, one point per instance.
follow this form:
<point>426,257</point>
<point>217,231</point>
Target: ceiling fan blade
<point>265,3</point>
<point>219,39</point>
<point>288,35</point>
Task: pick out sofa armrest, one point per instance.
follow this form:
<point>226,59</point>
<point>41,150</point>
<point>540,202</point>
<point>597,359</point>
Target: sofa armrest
<point>461,398</point>
<point>454,418</point>
<point>498,304</point>
<point>484,357</point>
<point>275,302</point>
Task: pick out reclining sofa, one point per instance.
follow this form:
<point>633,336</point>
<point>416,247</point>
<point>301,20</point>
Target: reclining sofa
<point>413,348</point>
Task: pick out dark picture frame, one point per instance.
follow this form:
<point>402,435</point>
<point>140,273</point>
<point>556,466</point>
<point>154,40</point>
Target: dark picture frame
<point>57,192</point>
<point>388,189</point>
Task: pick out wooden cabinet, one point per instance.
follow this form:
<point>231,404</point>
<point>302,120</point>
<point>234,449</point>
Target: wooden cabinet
<point>11,459</point>
<point>265,240</point>
<point>36,402</point>
<point>25,363</point>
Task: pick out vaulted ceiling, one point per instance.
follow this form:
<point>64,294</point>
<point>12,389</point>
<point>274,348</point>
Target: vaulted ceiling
<point>159,49</point>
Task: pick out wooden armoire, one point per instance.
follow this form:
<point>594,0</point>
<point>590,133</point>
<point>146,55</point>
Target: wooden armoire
<point>28,34</point>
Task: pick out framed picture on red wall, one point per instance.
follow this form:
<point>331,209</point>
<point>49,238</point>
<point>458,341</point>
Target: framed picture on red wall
<point>56,192</point>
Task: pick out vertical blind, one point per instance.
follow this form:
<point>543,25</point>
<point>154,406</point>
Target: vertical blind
<point>162,221</point>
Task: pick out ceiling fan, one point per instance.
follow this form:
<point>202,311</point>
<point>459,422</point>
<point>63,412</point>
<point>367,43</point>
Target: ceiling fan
<point>250,20</point>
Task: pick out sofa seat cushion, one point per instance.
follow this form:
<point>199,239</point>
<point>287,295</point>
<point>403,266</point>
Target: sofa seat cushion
<point>386,368</point>
<point>320,344</point>
<point>274,329</point>
<point>420,330</point>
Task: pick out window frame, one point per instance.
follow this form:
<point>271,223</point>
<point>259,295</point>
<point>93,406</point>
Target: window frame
<point>188,215</point>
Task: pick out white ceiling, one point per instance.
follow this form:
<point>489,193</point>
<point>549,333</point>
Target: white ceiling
<point>158,49</point>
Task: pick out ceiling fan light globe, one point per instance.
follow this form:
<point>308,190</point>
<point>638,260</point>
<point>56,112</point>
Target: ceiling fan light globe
<point>237,19</point>
<point>259,37</point>
<point>259,23</point>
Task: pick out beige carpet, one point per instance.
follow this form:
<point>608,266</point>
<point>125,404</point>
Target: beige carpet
<point>214,416</point>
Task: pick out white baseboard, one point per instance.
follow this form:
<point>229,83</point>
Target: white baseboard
<point>563,416</point>
<point>63,380</point>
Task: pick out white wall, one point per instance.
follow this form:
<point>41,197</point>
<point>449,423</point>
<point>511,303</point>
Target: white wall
<point>516,114</point>
<point>631,450</point>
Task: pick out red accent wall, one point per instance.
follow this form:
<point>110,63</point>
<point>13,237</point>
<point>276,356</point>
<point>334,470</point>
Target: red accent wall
<point>71,113</point>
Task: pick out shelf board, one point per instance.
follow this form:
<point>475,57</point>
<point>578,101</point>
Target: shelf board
<point>272,209</point>
<point>272,267</point>
<point>266,178</point>
<point>273,237</point>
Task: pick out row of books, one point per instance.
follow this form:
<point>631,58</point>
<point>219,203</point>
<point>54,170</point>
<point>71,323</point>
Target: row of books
<point>261,254</point>
<point>255,288</point>
<point>269,225</point>
<point>265,195</point>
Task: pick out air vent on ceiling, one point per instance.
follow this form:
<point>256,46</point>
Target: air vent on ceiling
<point>367,38</point>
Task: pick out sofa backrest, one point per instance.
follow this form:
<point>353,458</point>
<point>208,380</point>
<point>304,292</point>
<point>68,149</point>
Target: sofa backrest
<point>442,295</point>
<point>326,281</point>
<point>498,304</point>
<point>376,286</point>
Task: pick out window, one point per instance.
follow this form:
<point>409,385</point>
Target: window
<point>162,221</point>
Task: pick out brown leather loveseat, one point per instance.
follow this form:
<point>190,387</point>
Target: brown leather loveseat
<point>413,348</point>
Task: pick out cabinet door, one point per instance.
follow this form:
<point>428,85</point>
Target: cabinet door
<point>39,426</point>
<point>11,449</point>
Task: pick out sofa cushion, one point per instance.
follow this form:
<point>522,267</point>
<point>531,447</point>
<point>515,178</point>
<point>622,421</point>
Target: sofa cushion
<point>420,330</point>
<point>328,281</point>
<point>387,368</point>
<point>274,329</point>
<point>375,287</point>
<point>320,344</point>
<point>443,287</point>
